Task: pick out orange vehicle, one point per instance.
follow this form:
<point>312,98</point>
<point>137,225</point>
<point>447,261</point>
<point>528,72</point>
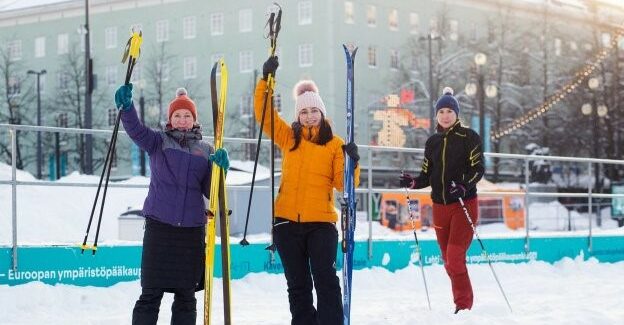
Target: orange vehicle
<point>393,212</point>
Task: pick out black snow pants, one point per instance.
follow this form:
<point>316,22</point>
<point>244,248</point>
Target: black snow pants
<point>308,254</point>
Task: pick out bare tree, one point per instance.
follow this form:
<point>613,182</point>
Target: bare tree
<point>17,100</point>
<point>157,77</point>
<point>69,100</point>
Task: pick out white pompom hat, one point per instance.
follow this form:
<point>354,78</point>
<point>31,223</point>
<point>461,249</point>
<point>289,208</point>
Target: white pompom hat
<point>306,95</point>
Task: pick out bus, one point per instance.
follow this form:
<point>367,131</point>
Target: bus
<point>507,209</point>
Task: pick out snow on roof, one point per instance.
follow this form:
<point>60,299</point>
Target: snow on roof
<point>8,5</point>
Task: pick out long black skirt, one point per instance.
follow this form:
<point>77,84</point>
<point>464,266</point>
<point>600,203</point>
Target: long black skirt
<point>173,257</point>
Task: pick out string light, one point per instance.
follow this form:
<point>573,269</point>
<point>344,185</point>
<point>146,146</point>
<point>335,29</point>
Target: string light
<point>560,94</point>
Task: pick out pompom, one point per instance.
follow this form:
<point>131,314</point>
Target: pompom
<point>181,92</point>
<point>447,91</point>
<point>304,86</point>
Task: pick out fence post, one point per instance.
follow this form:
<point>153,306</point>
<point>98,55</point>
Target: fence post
<point>590,207</point>
<point>526,204</point>
<point>13,133</point>
<point>369,197</point>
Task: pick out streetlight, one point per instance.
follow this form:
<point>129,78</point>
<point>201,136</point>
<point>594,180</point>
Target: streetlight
<point>601,111</point>
<point>39,154</point>
<point>481,91</point>
<point>480,59</point>
<point>430,37</point>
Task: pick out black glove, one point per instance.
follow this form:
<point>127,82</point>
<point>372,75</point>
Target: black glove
<point>457,190</point>
<point>351,150</point>
<point>270,66</point>
<point>406,180</point>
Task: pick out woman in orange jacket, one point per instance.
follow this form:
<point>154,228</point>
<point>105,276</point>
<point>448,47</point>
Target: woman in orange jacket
<point>304,229</point>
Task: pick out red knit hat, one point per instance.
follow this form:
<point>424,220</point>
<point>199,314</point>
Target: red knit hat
<point>182,101</point>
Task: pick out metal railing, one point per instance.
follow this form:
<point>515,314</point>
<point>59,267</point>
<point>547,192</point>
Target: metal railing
<point>367,191</point>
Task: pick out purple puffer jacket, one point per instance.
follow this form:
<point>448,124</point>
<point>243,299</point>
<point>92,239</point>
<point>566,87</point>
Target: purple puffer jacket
<point>180,173</point>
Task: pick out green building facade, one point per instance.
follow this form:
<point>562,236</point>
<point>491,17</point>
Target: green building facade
<point>183,38</point>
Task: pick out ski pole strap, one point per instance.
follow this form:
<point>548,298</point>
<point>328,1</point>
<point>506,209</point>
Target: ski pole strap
<point>274,24</point>
<point>132,52</point>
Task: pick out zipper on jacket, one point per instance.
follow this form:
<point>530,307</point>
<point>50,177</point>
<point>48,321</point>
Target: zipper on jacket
<point>443,169</point>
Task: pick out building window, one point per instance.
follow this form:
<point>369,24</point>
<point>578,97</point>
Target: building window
<point>190,67</point>
<point>414,23</point>
<point>14,49</point>
<point>372,57</point>
<point>245,105</point>
<point>573,46</point>
<point>137,73</point>
<point>62,44</point>
<point>393,20</point>
<point>40,47</point>
<point>349,16</point>
<point>162,31</point>
<point>244,20</point>
<point>216,23</point>
<point>305,12</point>
<point>414,62</point>
<point>557,47</point>
<point>111,75</point>
<point>110,37</point>
<point>371,15</point>
<point>63,81</point>
<point>453,30</point>
<point>394,59</point>
<point>305,55</point>
<point>14,86</point>
<point>434,29</point>
<point>112,116</point>
<point>162,70</point>
<point>245,61</point>
<point>189,27</point>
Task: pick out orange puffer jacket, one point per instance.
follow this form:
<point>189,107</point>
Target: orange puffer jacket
<point>309,174</point>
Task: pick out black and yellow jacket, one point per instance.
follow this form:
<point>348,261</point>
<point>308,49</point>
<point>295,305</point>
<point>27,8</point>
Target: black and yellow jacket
<point>452,155</point>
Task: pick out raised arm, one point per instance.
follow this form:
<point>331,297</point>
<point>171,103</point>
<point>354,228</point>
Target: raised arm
<point>146,138</point>
<point>283,131</point>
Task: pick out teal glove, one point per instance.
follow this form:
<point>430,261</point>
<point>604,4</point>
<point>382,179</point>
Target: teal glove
<point>123,97</point>
<point>220,157</point>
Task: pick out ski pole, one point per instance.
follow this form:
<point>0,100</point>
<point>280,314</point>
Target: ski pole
<point>418,250</point>
<point>131,52</point>
<point>487,257</point>
<point>274,25</point>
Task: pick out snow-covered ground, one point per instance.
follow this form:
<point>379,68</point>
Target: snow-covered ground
<point>568,292</point>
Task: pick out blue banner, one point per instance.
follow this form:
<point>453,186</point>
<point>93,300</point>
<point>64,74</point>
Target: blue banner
<point>114,264</point>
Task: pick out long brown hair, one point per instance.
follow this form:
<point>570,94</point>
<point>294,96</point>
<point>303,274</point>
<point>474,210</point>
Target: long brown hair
<point>325,133</point>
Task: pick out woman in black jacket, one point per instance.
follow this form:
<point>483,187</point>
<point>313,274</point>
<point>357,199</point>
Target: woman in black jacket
<point>452,166</point>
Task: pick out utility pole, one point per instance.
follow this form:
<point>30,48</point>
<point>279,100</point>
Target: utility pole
<point>39,153</point>
<point>432,92</point>
<point>88,90</point>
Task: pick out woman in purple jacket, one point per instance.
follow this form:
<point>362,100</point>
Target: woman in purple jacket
<point>174,210</point>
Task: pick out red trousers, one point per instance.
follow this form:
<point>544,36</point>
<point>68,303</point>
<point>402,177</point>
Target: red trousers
<point>454,236</point>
